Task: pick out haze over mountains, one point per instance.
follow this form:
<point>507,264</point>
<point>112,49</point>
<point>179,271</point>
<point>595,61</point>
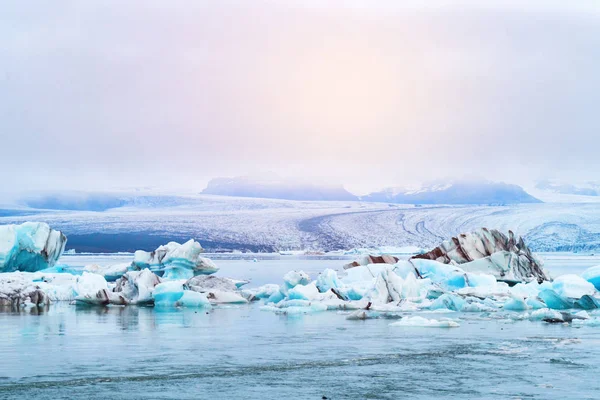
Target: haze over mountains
<point>441,192</point>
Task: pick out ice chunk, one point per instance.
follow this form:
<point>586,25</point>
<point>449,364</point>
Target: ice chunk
<point>102,298</point>
<point>110,272</point>
<point>175,261</point>
<point>592,322</point>
<point>490,251</point>
<point>418,321</point>
<point>216,289</point>
<point>447,276</point>
<point>515,304</point>
<point>572,286</point>
<point>448,301</point>
<point>294,278</point>
<point>535,304</point>
<point>303,292</point>
<point>137,286</point>
<point>592,275</point>
<point>554,300</point>
<point>266,291</point>
<point>31,246</point>
<point>587,303</point>
<point>545,313</point>
<point>17,291</point>
<point>362,315</point>
<point>172,294</point>
<point>328,279</point>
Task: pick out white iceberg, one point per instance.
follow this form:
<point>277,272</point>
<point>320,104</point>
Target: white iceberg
<point>31,246</point>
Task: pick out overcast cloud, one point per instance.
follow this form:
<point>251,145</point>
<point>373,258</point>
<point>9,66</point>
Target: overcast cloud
<point>106,94</point>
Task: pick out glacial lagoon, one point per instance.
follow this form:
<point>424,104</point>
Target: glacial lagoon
<point>241,351</point>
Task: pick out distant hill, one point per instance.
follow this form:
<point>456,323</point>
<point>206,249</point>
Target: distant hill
<point>274,188</point>
<point>455,192</point>
<point>586,189</point>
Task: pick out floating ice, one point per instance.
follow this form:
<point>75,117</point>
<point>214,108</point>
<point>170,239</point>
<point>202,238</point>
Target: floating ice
<point>515,304</point>
<point>294,278</point>
<point>175,261</point>
<point>172,294</point>
<point>492,252</point>
<point>572,286</point>
<point>110,272</point>
<point>554,300</point>
<point>137,286</point>
<point>418,321</point>
<point>216,289</point>
<point>592,275</point>
<point>31,246</point>
<point>328,279</point>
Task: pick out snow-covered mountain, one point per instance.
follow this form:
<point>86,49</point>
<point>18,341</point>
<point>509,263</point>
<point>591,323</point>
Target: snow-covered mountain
<point>276,188</point>
<point>455,192</point>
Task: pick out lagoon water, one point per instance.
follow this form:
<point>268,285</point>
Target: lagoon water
<point>241,352</point>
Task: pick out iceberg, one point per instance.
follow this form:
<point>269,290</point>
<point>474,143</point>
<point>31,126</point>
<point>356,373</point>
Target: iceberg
<point>30,247</point>
<point>137,286</point>
<point>110,272</point>
<point>216,289</point>
<point>175,261</point>
<point>293,278</point>
<point>592,275</point>
<point>515,304</point>
<point>492,252</point>
<point>17,291</point>
<point>573,286</point>
<point>173,294</point>
<point>555,301</point>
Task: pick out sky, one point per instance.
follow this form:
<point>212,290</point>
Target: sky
<point>98,95</point>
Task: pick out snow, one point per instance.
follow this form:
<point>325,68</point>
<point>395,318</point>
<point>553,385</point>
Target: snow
<point>31,246</point>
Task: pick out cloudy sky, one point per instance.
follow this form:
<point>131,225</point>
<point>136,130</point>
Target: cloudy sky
<point>107,94</point>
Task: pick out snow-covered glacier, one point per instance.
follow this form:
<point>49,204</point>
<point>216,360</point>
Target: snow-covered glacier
<point>31,246</point>
<point>228,223</point>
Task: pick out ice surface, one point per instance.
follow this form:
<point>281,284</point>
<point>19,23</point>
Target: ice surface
<point>31,246</point>
<point>175,261</point>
